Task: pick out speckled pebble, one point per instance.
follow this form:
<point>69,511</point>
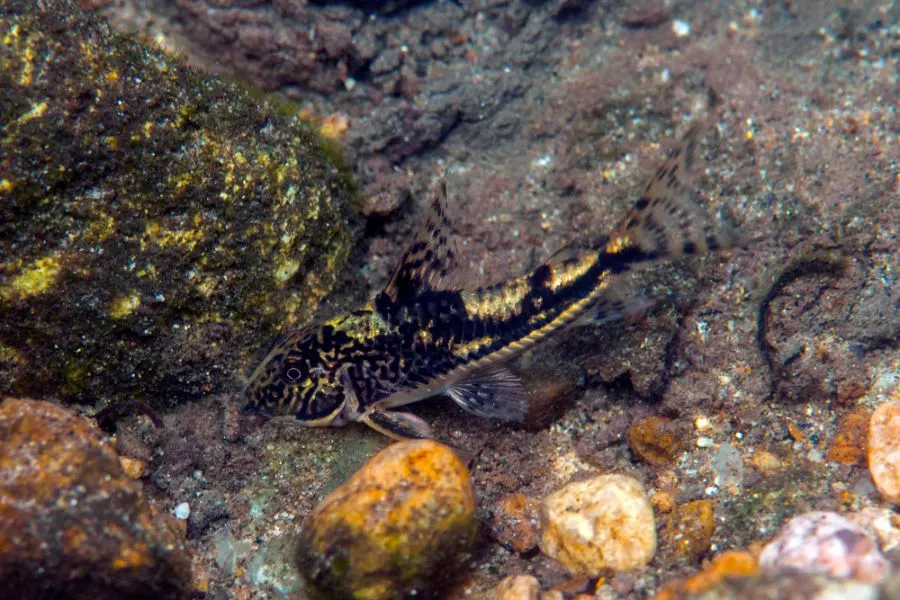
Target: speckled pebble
<point>827,543</point>
<point>656,440</point>
<point>603,523</point>
<point>514,522</point>
<point>884,450</point>
<point>518,587</point>
<point>400,525</point>
<point>688,531</point>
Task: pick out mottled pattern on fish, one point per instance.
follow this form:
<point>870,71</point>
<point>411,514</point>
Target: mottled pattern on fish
<point>419,337</point>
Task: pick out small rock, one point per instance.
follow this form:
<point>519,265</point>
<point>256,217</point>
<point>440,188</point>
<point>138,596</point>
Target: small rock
<point>688,531</point>
<point>72,523</point>
<point>884,450</point>
<point>656,440</point>
<point>514,522</point>
<point>728,467</point>
<point>518,587</point>
<point>182,511</point>
<point>400,525</point>
<point>603,523</point>
<point>827,543</point>
<point>765,462</point>
<point>728,566</point>
<point>883,524</point>
<point>850,443</point>
<point>132,467</point>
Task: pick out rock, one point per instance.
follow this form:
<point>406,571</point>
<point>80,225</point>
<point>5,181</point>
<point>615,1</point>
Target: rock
<point>400,525</point>
<point>728,468</point>
<point>884,450</point>
<point>826,543</point>
<point>602,523</point>
<point>133,468</point>
<point>728,566</point>
<point>850,443</point>
<point>158,225</point>
<point>655,440</point>
<point>518,587</point>
<point>514,522</point>
<point>72,523</point>
<point>688,530</point>
<point>779,586</point>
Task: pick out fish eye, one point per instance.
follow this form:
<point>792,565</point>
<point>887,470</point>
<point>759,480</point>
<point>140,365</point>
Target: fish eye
<point>293,374</point>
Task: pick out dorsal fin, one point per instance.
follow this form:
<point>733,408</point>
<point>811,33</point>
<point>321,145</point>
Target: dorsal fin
<point>430,258</point>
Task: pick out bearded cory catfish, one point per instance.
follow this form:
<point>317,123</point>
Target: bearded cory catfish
<point>421,337</point>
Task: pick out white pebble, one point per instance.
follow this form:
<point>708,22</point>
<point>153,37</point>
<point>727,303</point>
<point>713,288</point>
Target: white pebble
<point>182,511</point>
<point>681,28</point>
<point>705,442</point>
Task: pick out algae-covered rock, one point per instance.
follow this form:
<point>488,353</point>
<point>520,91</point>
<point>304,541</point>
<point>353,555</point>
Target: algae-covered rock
<point>72,523</point>
<point>158,224</point>
<point>400,526</point>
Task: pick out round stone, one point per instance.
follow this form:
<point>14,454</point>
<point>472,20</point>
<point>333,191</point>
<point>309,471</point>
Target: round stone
<point>401,525</point>
<point>826,543</point>
<point>884,450</point>
<point>603,523</point>
<point>518,587</point>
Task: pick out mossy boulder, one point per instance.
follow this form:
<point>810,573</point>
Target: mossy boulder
<point>158,224</point>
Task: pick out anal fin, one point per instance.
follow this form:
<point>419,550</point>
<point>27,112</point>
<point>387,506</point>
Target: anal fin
<point>495,393</point>
<point>398,425</point>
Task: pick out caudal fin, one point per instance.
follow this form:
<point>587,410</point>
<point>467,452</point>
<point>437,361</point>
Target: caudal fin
<point>665,222</point>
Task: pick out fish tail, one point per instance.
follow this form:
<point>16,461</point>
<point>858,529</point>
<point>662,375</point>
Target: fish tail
<point>665,222</point>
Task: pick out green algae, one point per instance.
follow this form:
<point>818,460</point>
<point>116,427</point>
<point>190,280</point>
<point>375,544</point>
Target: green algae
<point>159,225</point>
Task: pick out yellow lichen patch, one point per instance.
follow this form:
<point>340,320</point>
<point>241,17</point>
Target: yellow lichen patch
<point>35,112</point>
<point>10,355</point>
<point>206,286</point>
<point>34,280</point>
<point>123,306</point>
<point>285,269</point>
<point>6,186</point>
<point>111,142</point>
<point>100,228</point>
<point>168,238</point>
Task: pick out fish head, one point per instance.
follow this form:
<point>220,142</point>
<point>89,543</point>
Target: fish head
<point>300,376</point>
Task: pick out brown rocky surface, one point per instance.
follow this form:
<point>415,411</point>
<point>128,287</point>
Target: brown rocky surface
<point>72,523</point>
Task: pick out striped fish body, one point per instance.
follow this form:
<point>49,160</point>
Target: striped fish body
<point>419,337</point>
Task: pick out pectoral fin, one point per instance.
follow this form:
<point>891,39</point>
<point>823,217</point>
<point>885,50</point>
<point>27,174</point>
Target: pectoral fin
<point>495,393</point>
<point>397,425</point>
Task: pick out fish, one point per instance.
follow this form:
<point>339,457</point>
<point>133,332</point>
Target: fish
<point>423,336</point>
